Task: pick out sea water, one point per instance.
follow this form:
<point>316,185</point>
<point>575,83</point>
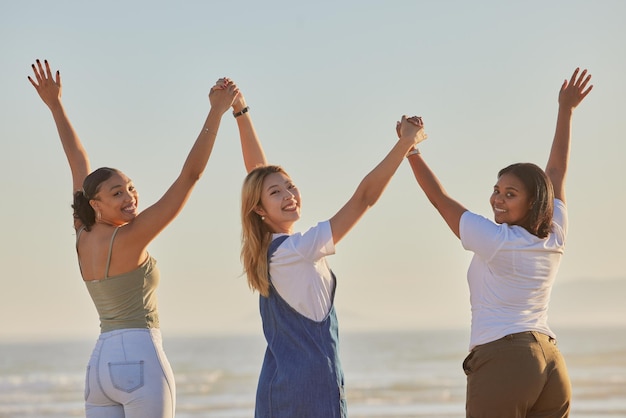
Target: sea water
<point>388,374</point>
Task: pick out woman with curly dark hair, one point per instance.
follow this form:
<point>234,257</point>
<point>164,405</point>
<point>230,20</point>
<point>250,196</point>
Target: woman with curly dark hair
<point>128,374</point>
<point>514,368</point>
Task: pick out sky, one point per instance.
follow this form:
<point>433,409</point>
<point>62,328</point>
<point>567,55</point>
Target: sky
<point>326,82</point>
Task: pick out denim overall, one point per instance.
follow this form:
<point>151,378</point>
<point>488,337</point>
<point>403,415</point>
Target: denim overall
<point>301,375</point>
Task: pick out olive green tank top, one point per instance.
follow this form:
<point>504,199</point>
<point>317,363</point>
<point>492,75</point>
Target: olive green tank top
<point>127,300</point>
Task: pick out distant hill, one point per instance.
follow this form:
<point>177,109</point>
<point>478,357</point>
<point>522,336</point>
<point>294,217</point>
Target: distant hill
<point>595,302</point>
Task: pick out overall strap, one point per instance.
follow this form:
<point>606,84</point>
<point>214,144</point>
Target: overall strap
<point>270,252</point>
<point>106,272</point>
<point>274,246</point>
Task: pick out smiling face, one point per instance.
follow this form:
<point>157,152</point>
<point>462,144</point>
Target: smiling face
<point>116,200</point>
<point>510,200</point>
<point>280,203</point>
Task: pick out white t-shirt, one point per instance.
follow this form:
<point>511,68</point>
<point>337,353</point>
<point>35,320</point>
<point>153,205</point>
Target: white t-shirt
<point>511,275</point>
<point>300,273</point>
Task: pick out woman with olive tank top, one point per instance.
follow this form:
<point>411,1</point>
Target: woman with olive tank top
<point>128,355</point>
<point>128,375</point>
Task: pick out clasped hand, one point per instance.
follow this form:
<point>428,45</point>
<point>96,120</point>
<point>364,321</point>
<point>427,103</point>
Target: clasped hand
<point>411,127</point>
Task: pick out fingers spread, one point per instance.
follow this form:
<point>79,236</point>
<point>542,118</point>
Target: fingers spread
<point>573,79</point>
<point>37,75</point>
<point>40,68</point>
<point>48,72</point>
<point>35,85</point>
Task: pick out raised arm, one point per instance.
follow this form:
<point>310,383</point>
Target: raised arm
<point>251,149</point>
<point>448,208</point>
<point>49,89</point>
<point>372,186</point>
<point>151,221</point>
<point>570,96</point>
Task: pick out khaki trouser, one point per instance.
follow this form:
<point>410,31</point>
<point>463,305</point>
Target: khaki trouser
<point>520,375</point>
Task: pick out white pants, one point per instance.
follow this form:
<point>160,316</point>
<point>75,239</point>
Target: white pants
<point>129,376</point>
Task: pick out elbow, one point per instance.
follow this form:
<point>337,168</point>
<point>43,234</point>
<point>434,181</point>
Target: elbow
<point>440,202</point>
<point>367,200</point>
<point>556,172</point>
<point>196,176</point>
<point>436,203</point>
<point>193,176</point>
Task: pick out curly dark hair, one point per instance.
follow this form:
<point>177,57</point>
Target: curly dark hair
<point>541,193</point>
<point>91,186</point>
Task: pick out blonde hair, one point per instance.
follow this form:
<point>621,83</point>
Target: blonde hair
<point>255,234</point>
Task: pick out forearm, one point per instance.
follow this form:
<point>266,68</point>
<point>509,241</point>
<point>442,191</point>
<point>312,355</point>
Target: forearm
<point>251,149</point>
<point>374,183</point>
<point>427,180</point>
<point>72,146</point>
<point>368,192</point>
<point>449,209</point>
<point>559,152</point>
<point>571,94</point>
<point>200,152</point>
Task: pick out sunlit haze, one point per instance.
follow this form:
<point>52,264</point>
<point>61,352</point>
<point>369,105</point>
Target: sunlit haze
<point>326,82</point>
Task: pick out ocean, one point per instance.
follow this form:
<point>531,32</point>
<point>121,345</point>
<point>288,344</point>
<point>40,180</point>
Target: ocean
<point>388,374</point>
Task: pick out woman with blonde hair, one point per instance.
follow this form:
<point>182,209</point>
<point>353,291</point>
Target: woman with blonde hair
<point>301,374</point>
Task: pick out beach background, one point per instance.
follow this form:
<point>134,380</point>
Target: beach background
<point>388,374</point>
<point>326,82</point>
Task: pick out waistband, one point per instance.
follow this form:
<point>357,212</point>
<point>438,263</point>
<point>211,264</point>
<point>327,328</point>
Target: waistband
<point>532,336</point>
<point>109,334</point>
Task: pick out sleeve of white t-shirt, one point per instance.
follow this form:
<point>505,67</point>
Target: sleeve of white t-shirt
<point>484,237</point>
<point>315,243</point>
<point>480,235</point>
<point>559,219</point>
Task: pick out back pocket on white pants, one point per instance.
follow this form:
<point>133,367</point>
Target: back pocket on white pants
<point>127,376</point>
